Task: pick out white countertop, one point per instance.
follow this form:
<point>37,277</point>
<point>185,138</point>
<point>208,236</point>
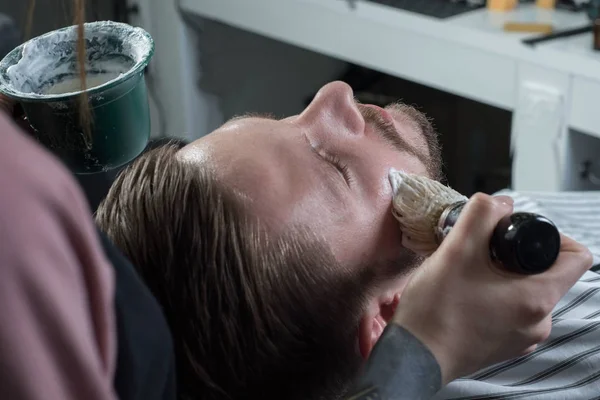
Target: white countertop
<point>552,88</point>
<point>468,55</point>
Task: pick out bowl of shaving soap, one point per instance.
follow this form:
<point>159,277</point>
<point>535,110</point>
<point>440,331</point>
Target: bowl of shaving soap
<point>42,75</point>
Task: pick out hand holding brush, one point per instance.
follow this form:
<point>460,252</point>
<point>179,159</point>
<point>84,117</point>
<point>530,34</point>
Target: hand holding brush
<point>427,211</point>
<point>470,313</point>
<point>461,310</point>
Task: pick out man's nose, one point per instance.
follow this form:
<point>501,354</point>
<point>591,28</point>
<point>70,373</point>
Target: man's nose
<point>334,106</point>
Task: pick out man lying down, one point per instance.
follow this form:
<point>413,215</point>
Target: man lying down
<point>251,315</point>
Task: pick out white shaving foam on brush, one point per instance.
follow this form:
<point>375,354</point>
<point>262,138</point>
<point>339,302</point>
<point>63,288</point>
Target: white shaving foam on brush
<point>418,205</point>
<point>524,243</point>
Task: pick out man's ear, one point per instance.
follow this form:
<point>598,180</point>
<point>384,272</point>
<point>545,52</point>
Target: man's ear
<point>373,321</point>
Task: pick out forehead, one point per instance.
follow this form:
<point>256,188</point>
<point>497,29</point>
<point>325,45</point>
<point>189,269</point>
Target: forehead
<point>238,148</point>
<point>250,155</point>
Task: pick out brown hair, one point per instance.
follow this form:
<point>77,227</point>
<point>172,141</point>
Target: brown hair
<point>252,315</point>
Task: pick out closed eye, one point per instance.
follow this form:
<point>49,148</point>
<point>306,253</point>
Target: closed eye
<point>339,165</point>
<point>342,168</point>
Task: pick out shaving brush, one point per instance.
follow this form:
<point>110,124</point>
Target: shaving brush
<point>427,210</point>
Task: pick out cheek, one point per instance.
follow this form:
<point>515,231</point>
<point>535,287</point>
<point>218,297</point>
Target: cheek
<point>383,226</point>
<point>369,231</point>
<point>379,188</point>
<point>346,231</point>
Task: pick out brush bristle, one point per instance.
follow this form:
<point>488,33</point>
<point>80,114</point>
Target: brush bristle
<point>418,205</point>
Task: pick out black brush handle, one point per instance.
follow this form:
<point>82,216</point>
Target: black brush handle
<point>525,243</point>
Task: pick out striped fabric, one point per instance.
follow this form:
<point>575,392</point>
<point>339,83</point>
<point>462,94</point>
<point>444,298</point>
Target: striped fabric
<point>567,365</point>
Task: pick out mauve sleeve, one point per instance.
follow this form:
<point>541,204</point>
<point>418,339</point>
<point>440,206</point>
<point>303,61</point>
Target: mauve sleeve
<point>57,335</point>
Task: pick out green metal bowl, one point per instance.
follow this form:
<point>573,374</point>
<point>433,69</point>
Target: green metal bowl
<point>42,74</point>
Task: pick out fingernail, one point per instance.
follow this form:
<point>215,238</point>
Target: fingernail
<point>504,200</point>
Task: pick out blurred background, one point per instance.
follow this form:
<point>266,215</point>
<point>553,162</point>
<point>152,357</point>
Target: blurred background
<point>494,97</point>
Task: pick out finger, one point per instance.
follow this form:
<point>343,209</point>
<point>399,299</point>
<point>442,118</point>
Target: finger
<point>568,244</point>
<point>505,199</point>
<point>573,261</point>
<point>575,254</point>
<point>479,218</point>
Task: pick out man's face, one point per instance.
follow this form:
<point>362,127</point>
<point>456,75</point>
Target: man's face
<point>325,170</point>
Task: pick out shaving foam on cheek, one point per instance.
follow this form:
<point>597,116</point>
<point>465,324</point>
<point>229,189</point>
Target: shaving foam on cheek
<point>395,180</point>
